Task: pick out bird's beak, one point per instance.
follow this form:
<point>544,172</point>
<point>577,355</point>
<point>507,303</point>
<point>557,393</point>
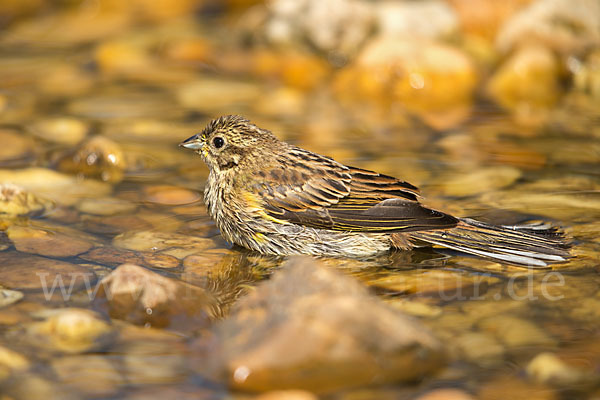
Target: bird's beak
<point>195,143</point>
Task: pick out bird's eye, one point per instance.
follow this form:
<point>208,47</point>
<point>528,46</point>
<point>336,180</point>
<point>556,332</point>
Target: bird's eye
<point>218,142</point>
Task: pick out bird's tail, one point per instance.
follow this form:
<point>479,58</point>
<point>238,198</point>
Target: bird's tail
<point>533,245</point>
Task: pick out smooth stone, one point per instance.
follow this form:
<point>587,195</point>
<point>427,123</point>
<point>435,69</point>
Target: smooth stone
<point>190,209</point>
<point>528,79</point>
<point>302,311</point>
<point>140,296</point>
<point>18,314</point>
<point>147,129</point>
<point>515,332</point>
<point>447,284</point>
<point>298,71</point>
<point>106,206</point>
<point>189,49</point>
<point>61,188</point>
<point>14,201</point>
<point>30,386</point>
<point>92,375</point>
<point>482,180</point>
<point>478,348</point>
<point>152,369</point>
<point>122,105</point>
<point>122,57</point>
<point>29,272</point>
<point>163,222</point>
<point>8,297</point>
<point>13,360</point>
<point>427,19</point>
<point>282,102</point>
<point>555,205</point>
<point>408,71</point>
<point>181,391</point>
<point>114,224</point>
<point>46,242</point>
<point>170,195</point>
<point>477,310</point>
<point>71,330</point>
<point>67,80</point>
<point>586,76</point>
<point>550,286</point>
<point>174,244</point>
<point>565,26</point>
<point>340,28</point>
<point>416,308</point>
<point>63,130</point>
<point>210,95</point>
<point>15,146</point>
<point>98,157</point>
<point>19,106</point>
<point>514,388</point>
<point>287,395</point>
<point>147,340</point>
<point>5,243</point>
<point>481,21</point>
<point>446,394</point>
<point>586,309</point>
<point>550,369</point>
<point>113,257</point>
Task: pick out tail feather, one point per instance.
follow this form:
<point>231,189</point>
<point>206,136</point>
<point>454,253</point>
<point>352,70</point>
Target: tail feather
<point>534,245</point>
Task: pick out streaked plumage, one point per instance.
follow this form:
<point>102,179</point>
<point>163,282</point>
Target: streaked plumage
<point>275,198</point>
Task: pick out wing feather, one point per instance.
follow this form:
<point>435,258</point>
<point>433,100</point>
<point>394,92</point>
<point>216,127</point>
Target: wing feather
<point>316,191</point>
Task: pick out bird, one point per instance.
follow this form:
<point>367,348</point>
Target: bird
<point>275,198</point>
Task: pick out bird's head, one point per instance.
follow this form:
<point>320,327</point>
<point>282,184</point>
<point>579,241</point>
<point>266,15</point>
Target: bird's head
<point>230,141</point>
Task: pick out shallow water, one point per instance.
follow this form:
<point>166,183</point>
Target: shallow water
<point>134,196</point>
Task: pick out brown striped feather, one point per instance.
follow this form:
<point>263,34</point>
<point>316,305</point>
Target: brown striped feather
<point>342,198</point>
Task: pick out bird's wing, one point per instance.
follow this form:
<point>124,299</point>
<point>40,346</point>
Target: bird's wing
<point>316,191</point>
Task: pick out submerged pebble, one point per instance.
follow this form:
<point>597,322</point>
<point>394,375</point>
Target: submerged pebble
<point>528,79</point>
<point>70,330</point>
<point>14,201</point>
<point>105,206</point>
<point>483,180</point>
<point>8,297</point>
<point>174,244</point>
<point>63,130</point>
<point>480,348</point>
<point>61,188</point>
<point>446,394</point>
<point>516,332</point>
<point>24,271</point>
<point>13,360</point>
<point>113,257</point>
<point>15,147</point>
<point>550,369</point>
<point>98,158</point>
<point>407,71</point>
<point>448,284</point>
<point>46,242</point>
<point>211,95</point>
<point>170,195</point>
<point>93,375</point>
